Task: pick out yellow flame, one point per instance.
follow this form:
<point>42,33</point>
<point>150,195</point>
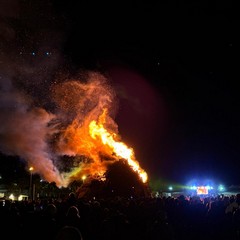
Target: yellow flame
<point>119,148</point>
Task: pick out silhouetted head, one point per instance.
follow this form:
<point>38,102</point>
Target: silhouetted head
<point>73,212</point>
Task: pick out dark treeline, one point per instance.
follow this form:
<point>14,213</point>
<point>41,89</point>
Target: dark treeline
<point>165,218</point>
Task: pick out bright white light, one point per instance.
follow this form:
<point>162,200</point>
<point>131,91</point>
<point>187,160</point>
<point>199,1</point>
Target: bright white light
<point>11,196</point>
<point>21,197</point>
<point>170,188</point>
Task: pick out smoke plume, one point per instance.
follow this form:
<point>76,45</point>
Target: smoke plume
<point>45,116</point>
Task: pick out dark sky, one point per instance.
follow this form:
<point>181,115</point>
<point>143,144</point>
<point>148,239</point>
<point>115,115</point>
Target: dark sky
<point>176,63</point>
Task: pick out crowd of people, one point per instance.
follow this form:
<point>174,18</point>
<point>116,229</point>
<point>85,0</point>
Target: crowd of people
<point>165,218</point>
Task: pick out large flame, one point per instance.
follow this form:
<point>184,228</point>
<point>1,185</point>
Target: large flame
<point>100,145</point>
<point>94,134</point>
<point>121,150</point>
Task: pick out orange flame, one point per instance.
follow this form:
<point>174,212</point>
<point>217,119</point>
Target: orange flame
<point>97,130</point>
<point>94,141</point>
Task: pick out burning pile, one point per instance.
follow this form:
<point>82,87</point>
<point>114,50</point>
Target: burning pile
<point>80,125</point>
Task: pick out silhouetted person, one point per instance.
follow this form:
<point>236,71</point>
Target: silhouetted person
<point>48,225</point>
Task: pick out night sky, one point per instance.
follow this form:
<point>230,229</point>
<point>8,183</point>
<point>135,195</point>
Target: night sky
<point>172,65</point>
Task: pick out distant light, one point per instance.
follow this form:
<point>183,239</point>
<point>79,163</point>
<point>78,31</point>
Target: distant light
<point>31,169</point>
<point>202,190</point>
<point>11,196</point>
<point>170,188</point>
<point>221,188</point>
<point>33,53</point>
<point>84,177</point>
<point>22,197</point>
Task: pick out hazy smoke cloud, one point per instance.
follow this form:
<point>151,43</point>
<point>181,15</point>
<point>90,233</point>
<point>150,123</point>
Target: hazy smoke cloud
<point>44,115</point>
<point>24,132</point>
<point>30,53</point>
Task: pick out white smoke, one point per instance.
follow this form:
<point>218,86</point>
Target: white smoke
<point>24,131</point>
